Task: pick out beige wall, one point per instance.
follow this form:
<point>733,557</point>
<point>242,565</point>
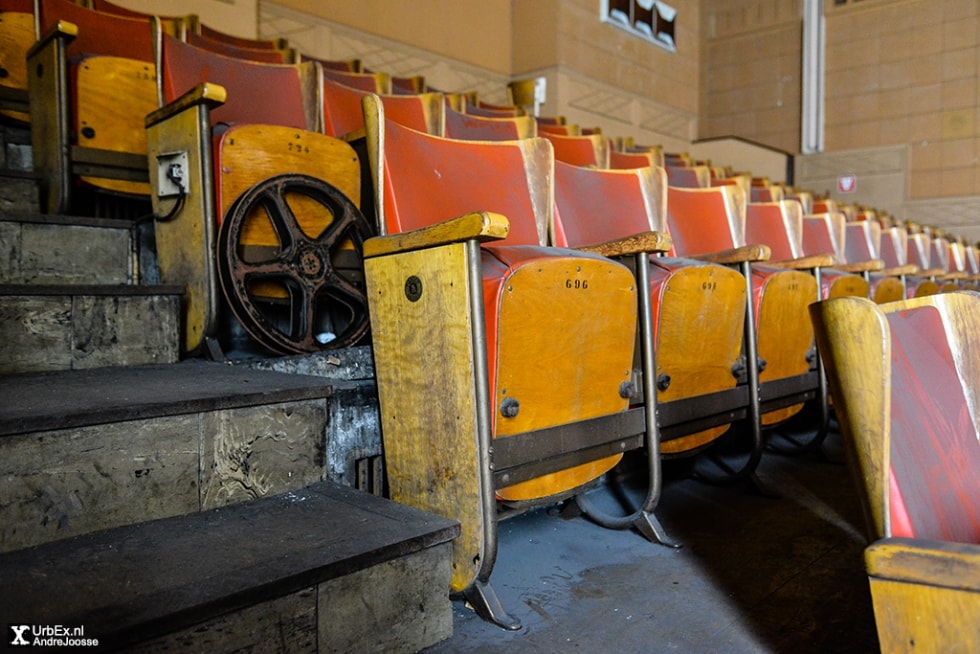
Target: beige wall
<point>913,82</point>
<point>751,77</point>
<point>476,33</point>
<point>237,17</point>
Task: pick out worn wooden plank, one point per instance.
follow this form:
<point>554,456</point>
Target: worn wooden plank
<point>125,331</point>
<point>61,483</point>
<point>425,372</point>
<point>284,624</point>
<point>137,583</point>
<point>36,333</point>
<point>71,254</point>
<point>250,452</point>
<point>43,401</point>
<point>406,596</point>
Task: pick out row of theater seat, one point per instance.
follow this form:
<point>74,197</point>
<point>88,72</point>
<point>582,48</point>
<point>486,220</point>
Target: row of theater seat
<point>539,301</point>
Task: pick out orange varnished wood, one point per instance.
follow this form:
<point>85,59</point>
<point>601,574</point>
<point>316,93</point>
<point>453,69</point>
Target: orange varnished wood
<point>691,303</point>
<point>914,453</point>
<point>113,96</point>
<point>16,38</point>
<point>698,308</point>
<point>571,288</point>
<point>784,332</point>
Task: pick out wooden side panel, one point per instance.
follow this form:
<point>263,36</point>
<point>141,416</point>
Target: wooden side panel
<point>565,345</point>
<point>852,337</point>
<point>914,617</point>
<point>186,244</point>
<point>423,353</point>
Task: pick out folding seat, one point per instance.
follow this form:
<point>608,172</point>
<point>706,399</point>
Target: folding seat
<point>91,79</point>
<point>504,369</point>
<point>766,194</point>
<point>379,83</point>
<point>562,129</point>
<point>698,308</point>
<point>919,254</point>
<point>582,150</point>
<point>481,128</point>
<point>172,25</point>
<point>688,176</point>
<point>705,221</point>
<point>17,35</point>
<point>250,195</point>
<point>862,243</point>
<point>271,51</point>
<point>906,392</point>
<point>825,233</point>
<point>619,160</point>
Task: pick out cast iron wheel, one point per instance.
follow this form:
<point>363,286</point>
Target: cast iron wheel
<point>306,293</point>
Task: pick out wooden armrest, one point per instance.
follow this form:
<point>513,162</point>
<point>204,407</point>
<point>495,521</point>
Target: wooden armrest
<point>907,269</point>
<point>750,253</point>
<point>803,263</point>
<point>930,272</point>
<point>60,30</point>
<point>645,242</point>
<point>481,225</point>
<point>212,95</point>
<point>872,265</point>
<point>936,563</point>
<point>954,275</point>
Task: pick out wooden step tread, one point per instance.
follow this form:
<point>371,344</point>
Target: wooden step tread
<point>88,289</point>
<point>62,219</point>
<point>61,400</point>
<point>134,583</point>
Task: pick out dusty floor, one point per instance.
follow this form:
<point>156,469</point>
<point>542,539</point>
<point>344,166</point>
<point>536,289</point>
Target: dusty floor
<point>755,574</point>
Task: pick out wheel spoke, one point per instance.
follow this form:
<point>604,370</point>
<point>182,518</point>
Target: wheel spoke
<point>284,222</point>
<point>318,296</point>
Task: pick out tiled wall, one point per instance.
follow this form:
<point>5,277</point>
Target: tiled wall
<point>904,72</point>
<point>751,75</point>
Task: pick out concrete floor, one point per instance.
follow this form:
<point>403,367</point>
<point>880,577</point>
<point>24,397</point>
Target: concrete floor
<point>755,574</point>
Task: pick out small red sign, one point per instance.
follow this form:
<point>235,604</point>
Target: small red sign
<point>847,183</point>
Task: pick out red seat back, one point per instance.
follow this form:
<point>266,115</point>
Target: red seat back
<point>705,220</point>
<point>99,33</point>
<point>428,179</point>
<point>249,100</point>
<point>935,442</point>
<point>778,225</point>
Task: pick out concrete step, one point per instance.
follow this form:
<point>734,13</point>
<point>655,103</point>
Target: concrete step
<point>42,249</point>
<point>87,450</point>
<point>71,327</point>
<point>323,568</point>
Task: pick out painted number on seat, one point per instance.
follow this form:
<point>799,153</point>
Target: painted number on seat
<point>577,283</point>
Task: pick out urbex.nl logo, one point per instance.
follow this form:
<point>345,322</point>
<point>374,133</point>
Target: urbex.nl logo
<point>33,635</point>
<point>19,634</point>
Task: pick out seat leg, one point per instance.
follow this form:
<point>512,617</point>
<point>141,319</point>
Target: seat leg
<point>642,519</point>
<point>484,600</point>
<point>647,524</point>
